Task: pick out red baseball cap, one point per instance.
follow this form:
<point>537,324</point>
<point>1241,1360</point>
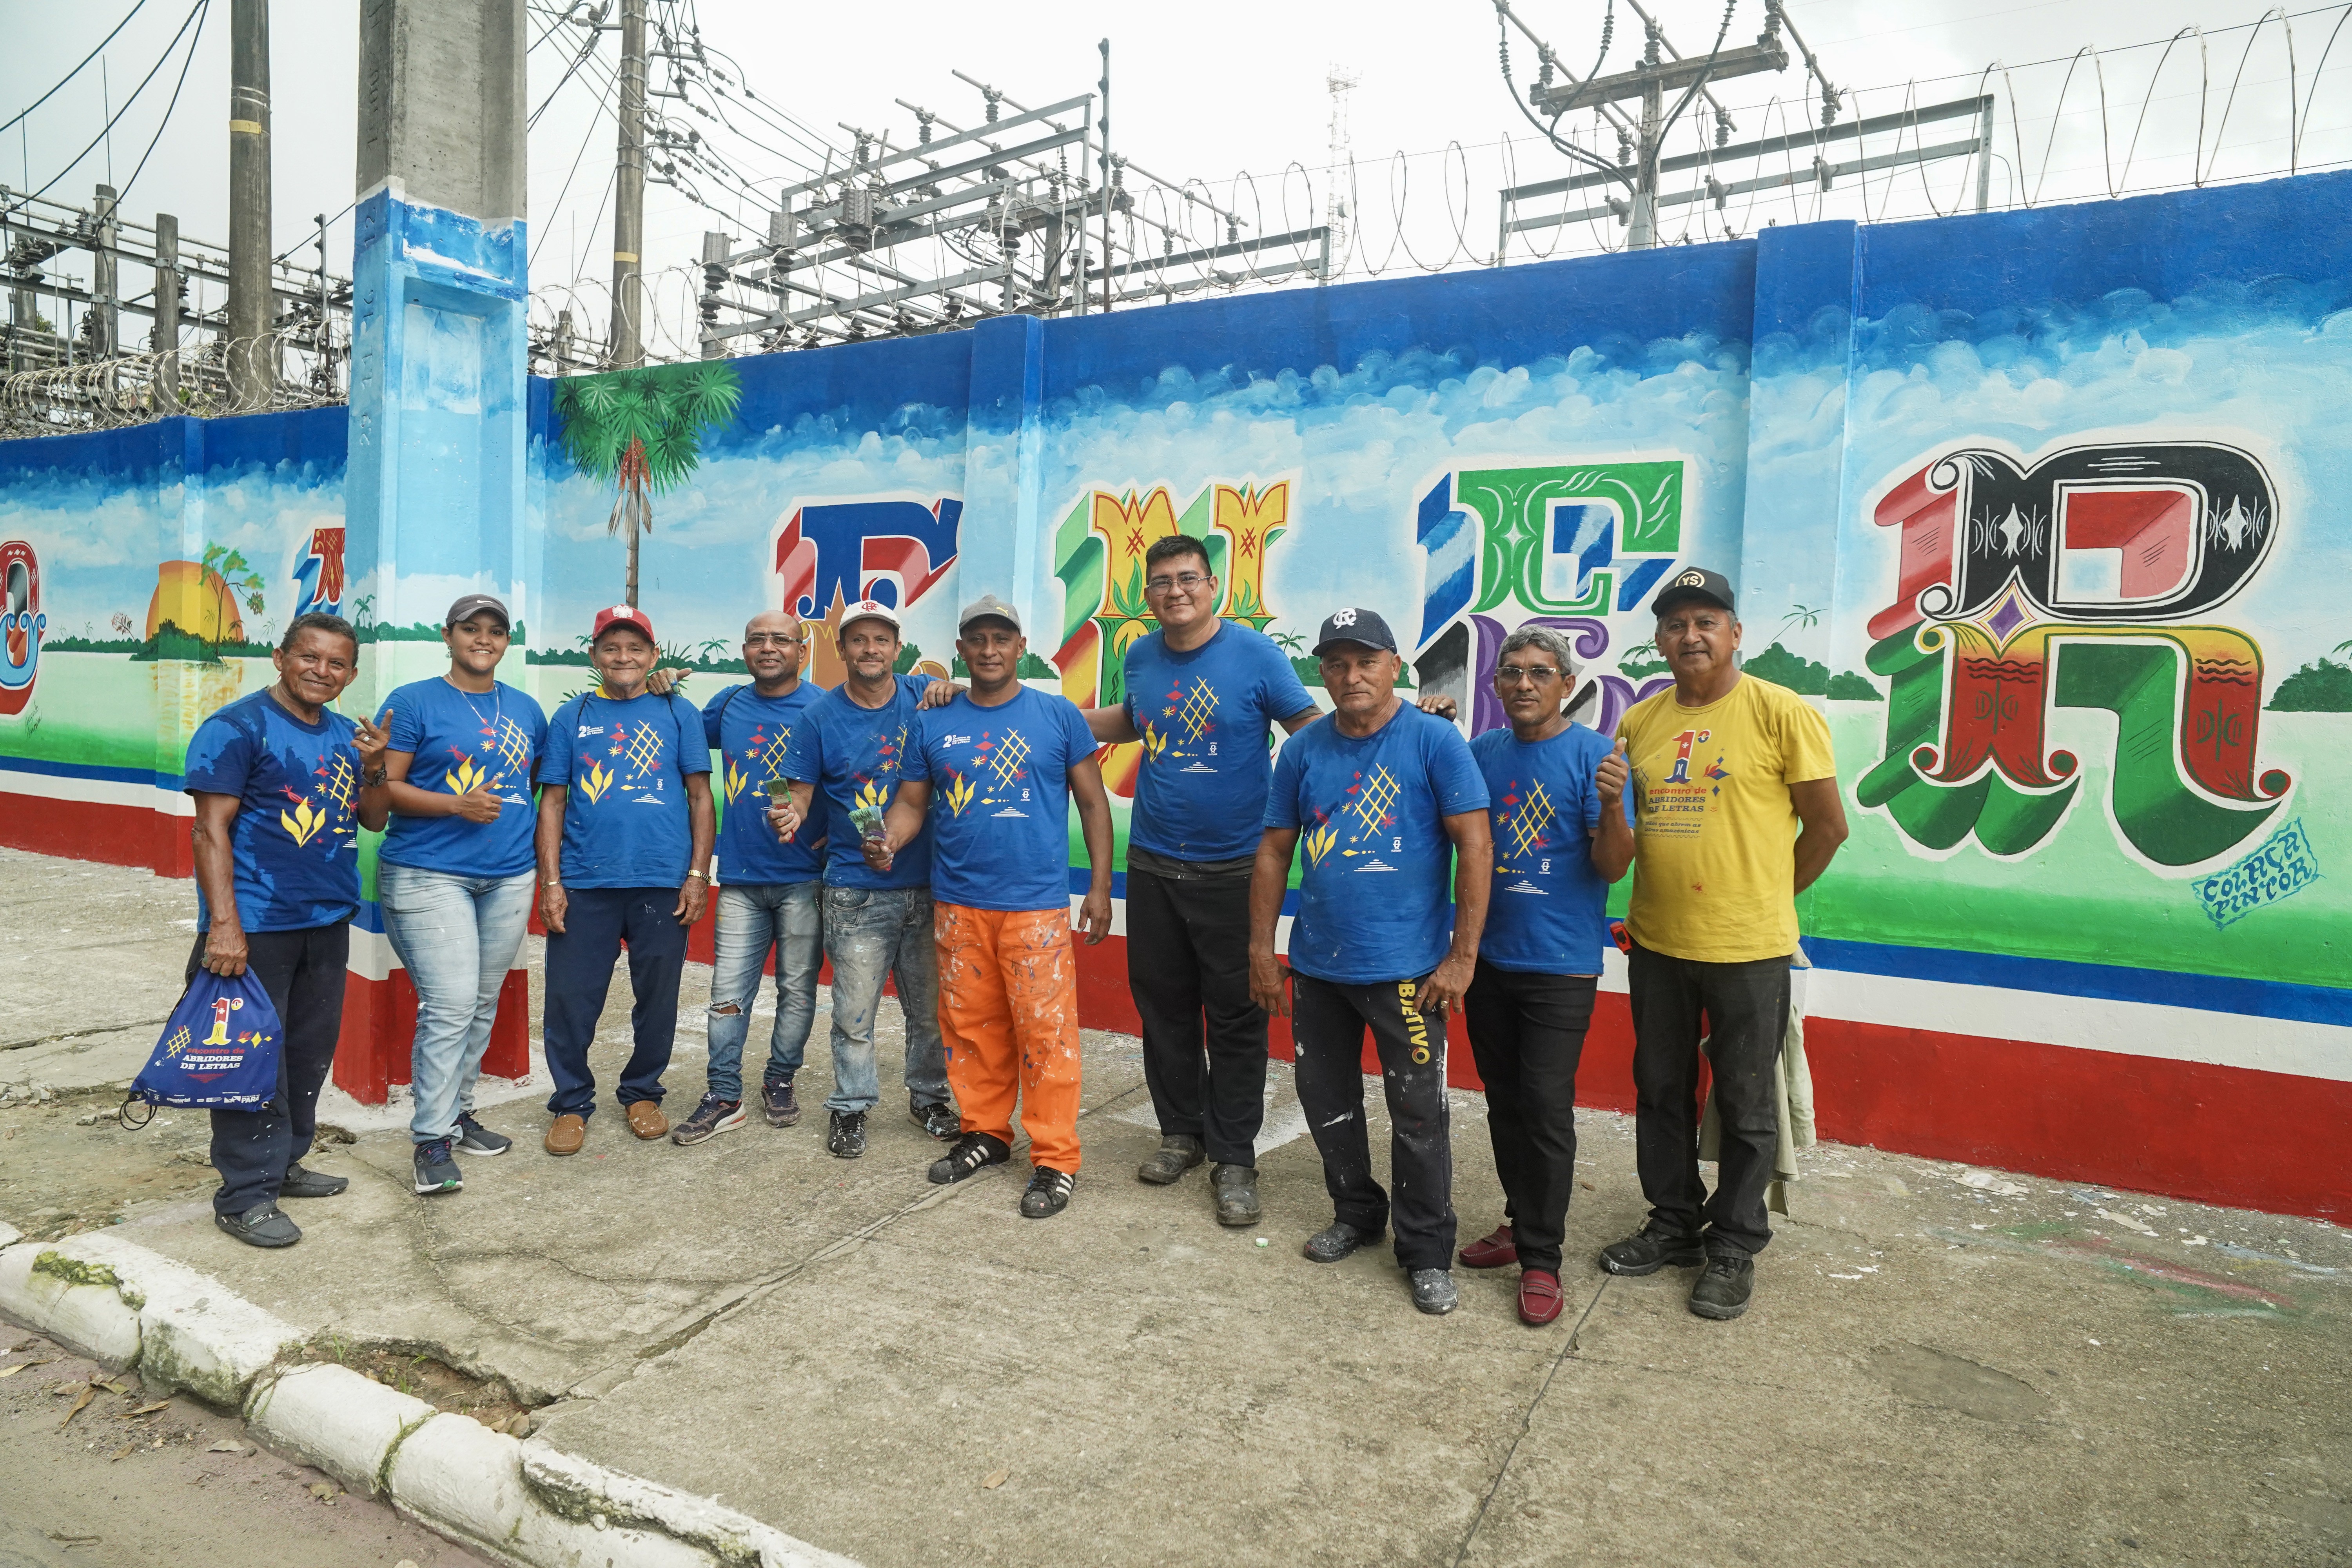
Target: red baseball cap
<point>622,615</point>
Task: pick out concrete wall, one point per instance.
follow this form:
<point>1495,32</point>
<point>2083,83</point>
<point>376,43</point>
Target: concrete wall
<point>2042,508</point>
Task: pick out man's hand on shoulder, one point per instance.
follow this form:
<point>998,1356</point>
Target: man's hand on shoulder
<point>938,693</point>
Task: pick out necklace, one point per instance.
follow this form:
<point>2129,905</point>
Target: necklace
<point>497,707</point>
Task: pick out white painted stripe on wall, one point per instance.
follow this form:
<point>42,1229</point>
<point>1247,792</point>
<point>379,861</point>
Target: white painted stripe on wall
<point>2085,1023</point>
<point>97,791</point>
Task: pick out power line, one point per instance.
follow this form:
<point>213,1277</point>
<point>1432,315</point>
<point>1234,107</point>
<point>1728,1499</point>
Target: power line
<point>44,98</point>
<point>205,6</point>
<point>193,11</point>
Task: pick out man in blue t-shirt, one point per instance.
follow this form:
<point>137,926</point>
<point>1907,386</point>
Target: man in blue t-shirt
<point>768,884</point>
<point>1003,764</point>
<point>1202,697</point>
<point>1380,796</point>
<point>624,843</point>
<point>454,877</point>
<point>1562,835</point>
<point>844,765</point>
<point>282,785</point>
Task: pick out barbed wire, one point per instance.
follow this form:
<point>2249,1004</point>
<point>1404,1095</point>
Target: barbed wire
<point>134,389</point>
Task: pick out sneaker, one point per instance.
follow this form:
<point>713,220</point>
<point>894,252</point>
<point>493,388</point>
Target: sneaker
<point>1337,1239</point>
<point>1236,1190</point>
<point>260,1225</point>
<point>973,1151</point>
<point>776,1099</point>
<point>1649,1249</point>
<point>1048,1194</point>
<point>302,1184</point>
<point>1540,1297</point>
<point>436,1171</point>
<point>1723,1290</point>
<point>1433,1292</point>
<point>845,1138</point>
<point>1178,1153</point>
<point>710,1118</point>
<point>473,1138</point>
<point>939,1120</point>
<point>1493,1251</point>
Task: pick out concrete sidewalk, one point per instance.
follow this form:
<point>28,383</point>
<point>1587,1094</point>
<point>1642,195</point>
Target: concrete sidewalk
<point>1942,1364</point>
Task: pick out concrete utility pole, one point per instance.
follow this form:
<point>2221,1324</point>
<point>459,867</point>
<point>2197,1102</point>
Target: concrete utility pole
<point>167,308</point>
<point>252,369</point>
<point>629,194</point>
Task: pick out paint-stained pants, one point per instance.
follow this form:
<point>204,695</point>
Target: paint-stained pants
<point>1326,1032</point>
<point>1745,1008</point>
<point>1009,1011</point>
<point>303,972</point>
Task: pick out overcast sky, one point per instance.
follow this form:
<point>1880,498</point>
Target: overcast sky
<point>1200,90</point>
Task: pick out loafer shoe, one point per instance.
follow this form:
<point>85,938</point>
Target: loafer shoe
<point>1434,1291</point>
<point>1177,1153</point>
<point>1649,1249</point>
<point>302,1184</point>
<point>1336,1241</point>
<point>566,1133</point>
<point>1495,1251</point>
<point>1540,1297</point>
<point>1722,1291</point>
<point>1236,1190</point>
<point>646,1121</point>
<point>260,1225</point>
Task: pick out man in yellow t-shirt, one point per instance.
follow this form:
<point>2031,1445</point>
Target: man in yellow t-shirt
<point>1737,813</point>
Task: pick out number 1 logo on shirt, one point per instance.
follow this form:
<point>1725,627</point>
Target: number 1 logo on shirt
<point>1683,744</point>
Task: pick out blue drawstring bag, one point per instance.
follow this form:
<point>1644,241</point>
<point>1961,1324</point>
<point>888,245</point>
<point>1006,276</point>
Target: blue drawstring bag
<point>218,1051</point>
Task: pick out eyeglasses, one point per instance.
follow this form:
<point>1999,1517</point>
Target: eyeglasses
<point>1189,582</point>
<point>773,639</point>
<point>1517,675</point>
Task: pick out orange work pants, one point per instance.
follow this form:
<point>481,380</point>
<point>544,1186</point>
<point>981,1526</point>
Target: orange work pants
<point>1009,1012</point>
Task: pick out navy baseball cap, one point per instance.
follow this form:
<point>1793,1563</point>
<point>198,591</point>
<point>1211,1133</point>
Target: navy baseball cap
<point>1695,583</point>
<point>1358,626</point>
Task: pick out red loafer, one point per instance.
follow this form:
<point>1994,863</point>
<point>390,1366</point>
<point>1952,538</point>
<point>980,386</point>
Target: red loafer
<point>1540,1297</point>
<point>1491,1251</point>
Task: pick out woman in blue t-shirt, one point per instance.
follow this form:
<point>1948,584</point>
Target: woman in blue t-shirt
<point>454,875</point>
<point>282,785</point>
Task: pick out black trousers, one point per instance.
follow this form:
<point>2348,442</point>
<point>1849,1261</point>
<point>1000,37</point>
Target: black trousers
<point>1188,962</point>
<point>1527,1034</point>
<point>302,971</point>
<point>580,971</point>
<point>1326,1027</point>
<point>1745,1006</point>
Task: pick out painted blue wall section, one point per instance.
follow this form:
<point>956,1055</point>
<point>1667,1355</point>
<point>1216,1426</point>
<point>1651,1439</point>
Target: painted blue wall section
<point>438,438</point>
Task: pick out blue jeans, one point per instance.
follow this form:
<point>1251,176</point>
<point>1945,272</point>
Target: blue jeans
<point>755,919</point>
<point>869,934</point>
<point>458,937</point>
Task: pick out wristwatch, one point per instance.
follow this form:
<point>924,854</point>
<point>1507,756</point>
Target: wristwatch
<point>702,877</point>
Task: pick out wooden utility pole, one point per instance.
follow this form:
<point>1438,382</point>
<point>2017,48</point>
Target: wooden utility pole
<point>1651,81</point>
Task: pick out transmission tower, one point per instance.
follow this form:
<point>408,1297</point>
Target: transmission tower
<point>1340,83</point>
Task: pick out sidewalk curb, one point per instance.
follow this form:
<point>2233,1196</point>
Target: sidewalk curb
<point>519,1502</point>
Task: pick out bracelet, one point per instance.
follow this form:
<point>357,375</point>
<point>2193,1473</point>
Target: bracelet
<point>702,877</point>
<point>374,780</point>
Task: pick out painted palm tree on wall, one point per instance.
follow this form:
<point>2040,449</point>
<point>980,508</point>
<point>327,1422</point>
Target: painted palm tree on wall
<point>644,428</point>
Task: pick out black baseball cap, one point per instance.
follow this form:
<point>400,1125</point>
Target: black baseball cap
<point>1357,626</point>
<point>1694,582</point>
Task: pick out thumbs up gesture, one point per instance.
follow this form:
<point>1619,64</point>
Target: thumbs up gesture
<point>1609,778</point>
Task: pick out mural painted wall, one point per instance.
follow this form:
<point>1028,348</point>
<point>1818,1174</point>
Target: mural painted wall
<point>2043,509</point>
